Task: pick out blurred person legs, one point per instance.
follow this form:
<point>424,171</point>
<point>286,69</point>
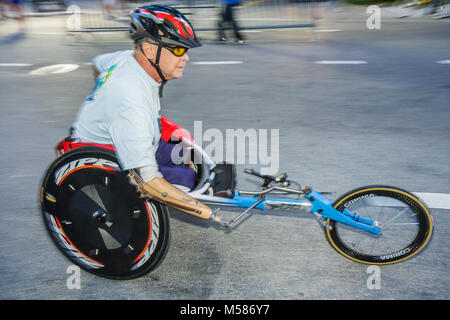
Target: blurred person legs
<point>437,6</point>
<point>123,6</point>
<point>17,9</point>
<point>107,7</point>
<point>227,19</point>
<point>2,9</point>
<point>318,9</point>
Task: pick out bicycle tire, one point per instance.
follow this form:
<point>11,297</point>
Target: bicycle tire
<point>98,220</point>
<point>406,224</point>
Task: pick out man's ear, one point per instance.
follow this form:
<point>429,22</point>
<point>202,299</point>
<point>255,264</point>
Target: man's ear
<point>96,72</point>
<point>148,49</point>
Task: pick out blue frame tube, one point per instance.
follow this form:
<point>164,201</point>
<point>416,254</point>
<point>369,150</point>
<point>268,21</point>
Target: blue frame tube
<point>319,204</point>
<point>324,206</point>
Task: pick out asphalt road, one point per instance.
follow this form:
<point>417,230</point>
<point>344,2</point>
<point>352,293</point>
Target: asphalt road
<point>384,121</point>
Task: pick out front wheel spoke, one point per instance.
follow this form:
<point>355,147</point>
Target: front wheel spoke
<point>386,244</point>
<point>373,246</point>
<point>399,214</point>
<point>389,226</point>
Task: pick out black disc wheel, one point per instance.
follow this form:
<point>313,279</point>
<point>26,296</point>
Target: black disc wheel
<point>406,225</point>
<point>97,218</point>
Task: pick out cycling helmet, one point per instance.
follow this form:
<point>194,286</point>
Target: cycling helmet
<point>164,25</point>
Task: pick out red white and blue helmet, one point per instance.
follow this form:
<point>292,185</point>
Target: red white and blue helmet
<point>164,25</point>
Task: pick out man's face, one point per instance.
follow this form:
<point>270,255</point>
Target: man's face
<point>171,66</point>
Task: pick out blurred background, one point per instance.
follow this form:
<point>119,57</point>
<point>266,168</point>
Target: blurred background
<point>112,14</point>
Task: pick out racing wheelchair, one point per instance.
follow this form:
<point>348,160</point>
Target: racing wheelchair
<point>99,221</point>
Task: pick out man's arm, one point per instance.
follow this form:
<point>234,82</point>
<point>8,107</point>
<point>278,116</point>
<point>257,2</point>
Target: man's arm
<point>164,191</point>
<point>132,135</point>
<point>103,62</point>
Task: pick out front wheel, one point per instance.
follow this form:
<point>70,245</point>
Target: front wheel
<point>406,225</point>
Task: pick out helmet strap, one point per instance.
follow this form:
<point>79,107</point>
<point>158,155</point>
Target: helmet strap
<point>157,68</point>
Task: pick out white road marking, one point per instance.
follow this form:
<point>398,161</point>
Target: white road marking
<point>15,64</point>
<point>103,44</point>
<point>435,200</point>
<point>63,68</point>
<point>44,14</point>
<point>49,33</point>
<point>327,30</point>
<point>23,175</point>
<point>341,62</point>
<point>216,62</point>
<point>56,68</point>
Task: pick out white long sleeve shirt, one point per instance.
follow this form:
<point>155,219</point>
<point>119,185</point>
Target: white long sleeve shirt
<point>122,110</point>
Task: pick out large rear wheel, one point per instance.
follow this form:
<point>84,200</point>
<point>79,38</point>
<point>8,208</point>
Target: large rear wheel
<point>98,220</point>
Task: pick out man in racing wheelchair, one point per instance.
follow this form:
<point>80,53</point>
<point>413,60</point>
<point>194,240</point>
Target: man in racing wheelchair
<point>123,109</point>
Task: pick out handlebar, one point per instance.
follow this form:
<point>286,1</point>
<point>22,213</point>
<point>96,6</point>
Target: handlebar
<point>267,178</point>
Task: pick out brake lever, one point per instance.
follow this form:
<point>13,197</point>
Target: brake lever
<point>281,178</point>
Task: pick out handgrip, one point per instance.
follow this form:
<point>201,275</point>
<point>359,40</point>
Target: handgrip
<point>252,172</point>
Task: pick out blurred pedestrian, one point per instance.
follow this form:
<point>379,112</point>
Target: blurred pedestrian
<point>107,7</point>
<point>227,18</point>
<point>437,5</point>
<point>123,6</point>
<point>2,9</point>
<point>16,7</point>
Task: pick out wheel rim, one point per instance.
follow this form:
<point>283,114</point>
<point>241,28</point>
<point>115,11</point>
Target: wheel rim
<point>404,223</point>
<point>99,221</point>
